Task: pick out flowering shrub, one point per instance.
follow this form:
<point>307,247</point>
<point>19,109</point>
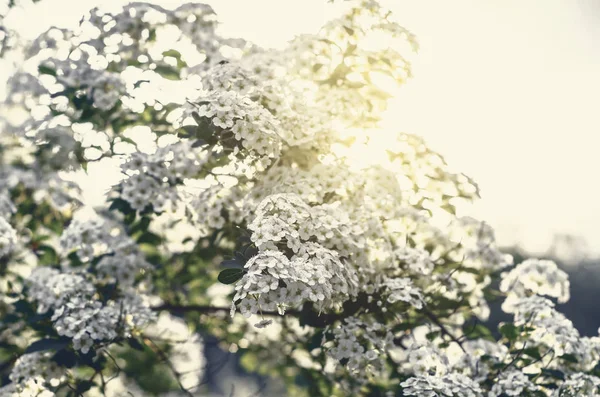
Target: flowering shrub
<point>247,210</point>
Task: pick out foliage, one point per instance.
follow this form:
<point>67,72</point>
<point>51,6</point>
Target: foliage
<point>259,203</point>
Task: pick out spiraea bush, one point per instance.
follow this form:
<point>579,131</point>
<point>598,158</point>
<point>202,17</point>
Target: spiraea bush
<point>259,202</point>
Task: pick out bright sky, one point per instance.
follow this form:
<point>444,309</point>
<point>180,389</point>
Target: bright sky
<point>507,90</point>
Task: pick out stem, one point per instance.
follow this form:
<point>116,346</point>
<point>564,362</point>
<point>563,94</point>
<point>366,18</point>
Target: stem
<point>168,363</point>
<point>210,309</point>
<point>307,314</point>
<point>444,330</point>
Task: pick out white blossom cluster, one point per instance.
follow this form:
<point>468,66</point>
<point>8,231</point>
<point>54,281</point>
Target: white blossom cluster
<point>246,121</point>
<point>215,205</point>
<point>51,288</point>
<point>440,386</point>
<point>314,216</point>
<point>417,260</point>
<point>290,268</point>
<point>153,177</point>
<point>357,99</point>
<point>472,363</point>
<point>78,314</point>
<point>512,383</point>
<point>363,345</point>
<point>87,238</point>
<point>579,384</point>
<point>56,146</point>
<point>102,88</point>
<point>46,187</point>
<point>535,276</point>
<point>479,244</point>
<point>402,289</point>
<point>32,374</point>
<point>95,237</point>
<point>8,237</point>
<point>552,329</point>
<point>7,207</point>
<point>423,359</point>
<point>314,274</point>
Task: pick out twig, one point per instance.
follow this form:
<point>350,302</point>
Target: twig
<point>210,309</point>
<point>168,363</point>
<point>444,330</point>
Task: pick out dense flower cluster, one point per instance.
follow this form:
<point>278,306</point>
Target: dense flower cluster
<point>538,277</point>
<point>77,312</point>
<point>153,177</point>
<point>437,386</point>
<point>314,274</point>
<point>8,237</point>
<point>121,259</point>
<point>363,346</point>
<point>32,374</point>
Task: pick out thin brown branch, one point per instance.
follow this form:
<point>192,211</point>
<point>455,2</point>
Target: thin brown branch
<point>442,327</point>
<point>207,309</point>
<point>168,363</point>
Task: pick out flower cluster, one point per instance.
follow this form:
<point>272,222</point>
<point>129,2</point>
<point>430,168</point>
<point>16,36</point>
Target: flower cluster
<point>7,207</point>
<point>152,178</point>
<point>512,383</point>
<point>87,238</point>
<point>32,375</point>
<point>121,259</point>
<point>363,346</point>
<point>8,237</point>
<point>579,384</point>
<point>314,274</point>
<point>78,313</point>
<point>437,386</point>
<point>535,276</point>
<point>240,122</point>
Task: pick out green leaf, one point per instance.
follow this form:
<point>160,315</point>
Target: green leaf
<point>149,238</point>
<point>171,53</point>
<point>188,131</point>
<point>65,358</point>
<point>570,358</point>
<point>532,352</point>
<point>46,254</point>
<point>198,143</point>
<point>432,335</point>
<point>553,373</point>
<point>23,307</point>
<point>47,344</point>
<point>230,276</point>
<point>509,331</point>
<point>135,344</point>
<point>121,205</point>
<point>479,331</point>
<point>42,69</point>
<point>197,118</point>
<point>84,385</point>
<point>141,225</point>
<point>138,83</point>
<point>167,72</point>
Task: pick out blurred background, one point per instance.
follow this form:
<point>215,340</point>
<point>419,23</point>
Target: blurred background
<point>508,91</point>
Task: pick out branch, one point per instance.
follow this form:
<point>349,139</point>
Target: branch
<point>211,309</point>
<point>168,363</point>
<point>444,330</point>
<point>307,314</point>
